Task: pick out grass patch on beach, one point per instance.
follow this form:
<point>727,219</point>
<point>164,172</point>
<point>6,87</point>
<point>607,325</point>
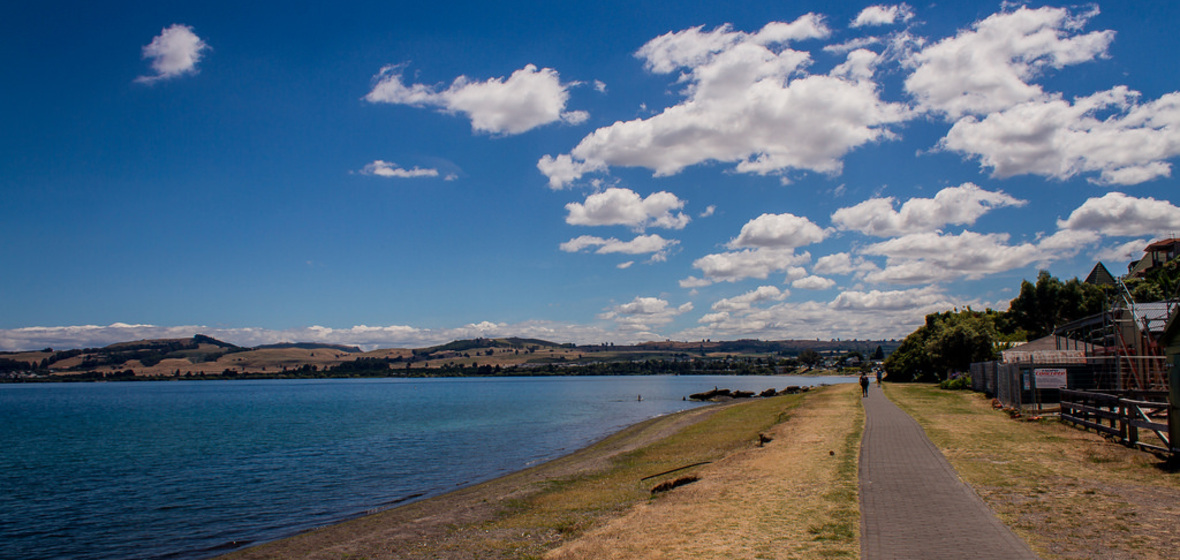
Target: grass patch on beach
<point>568,506</point>
<point>1067,492</point>
<point>795,496</point>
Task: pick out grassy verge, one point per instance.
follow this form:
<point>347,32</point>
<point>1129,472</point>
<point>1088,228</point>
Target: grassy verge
<point>841,526</point>
<point>794,497</point>
<point>568,506</point>
<point>1067,492</point>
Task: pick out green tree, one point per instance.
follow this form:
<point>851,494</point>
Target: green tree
<point>809,357</point>
<point>949,341</point>
<point>1042,307</point>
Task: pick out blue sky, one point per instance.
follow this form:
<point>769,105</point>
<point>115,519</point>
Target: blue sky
<point>401,174</point>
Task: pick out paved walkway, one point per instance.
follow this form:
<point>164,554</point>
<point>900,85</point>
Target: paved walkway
<point>912,504</point>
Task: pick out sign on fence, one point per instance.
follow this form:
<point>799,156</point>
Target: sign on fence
<point>1051,378</point>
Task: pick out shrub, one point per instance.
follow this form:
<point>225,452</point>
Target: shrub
<point>962,383</point>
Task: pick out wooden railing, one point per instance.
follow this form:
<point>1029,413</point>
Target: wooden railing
<point>1120,416</point>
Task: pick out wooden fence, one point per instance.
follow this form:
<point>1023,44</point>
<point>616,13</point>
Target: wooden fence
<point>1120,416</point>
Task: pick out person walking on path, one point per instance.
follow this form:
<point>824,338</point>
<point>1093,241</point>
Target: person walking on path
<point>878,377</point>
<point>913,506</point>
<point>864,385</point>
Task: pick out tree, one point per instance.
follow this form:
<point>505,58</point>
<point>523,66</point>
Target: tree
<point>1042,307</point>
<point>949,341</point>
<point>809,357</point>
<point>878,354</point>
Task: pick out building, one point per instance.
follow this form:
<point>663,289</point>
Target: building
<point>1154,255</point>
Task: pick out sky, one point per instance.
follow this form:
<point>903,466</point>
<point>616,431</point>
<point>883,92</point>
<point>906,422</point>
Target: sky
<point>396,174</point>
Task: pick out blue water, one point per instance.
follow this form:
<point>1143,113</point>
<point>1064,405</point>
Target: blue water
<point>192,469</point>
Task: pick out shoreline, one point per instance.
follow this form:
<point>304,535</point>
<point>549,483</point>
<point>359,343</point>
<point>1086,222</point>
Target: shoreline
<point>419,521</point>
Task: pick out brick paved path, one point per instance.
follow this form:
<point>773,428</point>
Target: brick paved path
<point>912,504</point>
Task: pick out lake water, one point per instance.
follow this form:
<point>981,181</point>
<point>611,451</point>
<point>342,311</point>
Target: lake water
<point>192,469</point>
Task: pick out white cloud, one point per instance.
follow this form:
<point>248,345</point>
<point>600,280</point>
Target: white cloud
<point>758,263</point>
<point>708,211</point>
<point>174,52</point>
<point>778,231</point>
<point>795,273</point>
<point>624,265</point>
<point>1123,252</point>
<point>617,206</point>
<point>644,314</point>
<point>932,257</point>
<point>987,68</point>
<point>383,168</point>
<point>748,102</point>
<point>892,300</point>
<point>1056,138</point>
<point>813,283</point>
<point>1118,215</point>
<point>563,170</point>
<point>527,99</point>
<point>748,299</point>
<point>953,205</point>
<point>694,282</point>
<point>873,314</point>
<point>883,15</point>
<point>843,263</point>
<point>652,244</point>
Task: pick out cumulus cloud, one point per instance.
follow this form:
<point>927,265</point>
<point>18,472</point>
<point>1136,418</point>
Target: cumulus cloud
<point>890,300</point>
<point>1119,215</point>
<point>644,314</point>
<point>652,244</point>
<point>953,205</point>
<point>778,231</point>
<point>853,314</point>
<point>527,99</point>
<point>883,15</point>
<point>747,300</point>
<point>748,101</point>
<point>174,52</point>
<point>1123,252</point>
<point>844,263</point>
<point>980,80</point>
<point>734,266</point>
<point>381,168</point>
<point>987,68</point>
<point>618,206</point>
<point>813,283</point>
<point>933,257</point>
<point>1061,139</point>
<point>694,282</point>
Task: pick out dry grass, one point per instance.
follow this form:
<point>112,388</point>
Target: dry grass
<point>1069,493</point>
<point>796,497</point>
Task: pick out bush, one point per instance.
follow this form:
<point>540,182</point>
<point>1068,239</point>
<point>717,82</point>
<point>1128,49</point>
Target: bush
<point>962,383</point>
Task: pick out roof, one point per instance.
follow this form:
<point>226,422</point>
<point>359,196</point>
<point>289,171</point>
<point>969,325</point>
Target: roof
<point>1162,244</point>
<point>1051,349</point>
<point>1154,314</point>
<point>1100,276</point>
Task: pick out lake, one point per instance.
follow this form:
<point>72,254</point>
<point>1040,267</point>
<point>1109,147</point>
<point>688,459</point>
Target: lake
<point>191,469</point>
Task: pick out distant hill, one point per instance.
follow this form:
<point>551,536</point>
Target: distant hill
<point>310,346</point>
<point>204,356</point>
